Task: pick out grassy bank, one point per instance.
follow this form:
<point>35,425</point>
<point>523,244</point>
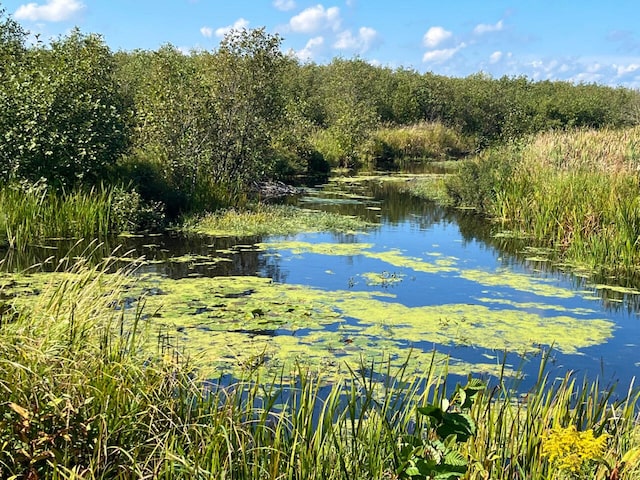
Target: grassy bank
<point>271,220</point>
<point>577,192</point>
<point>422,142</point>
<point>32,212</point>
<point>85,397</point>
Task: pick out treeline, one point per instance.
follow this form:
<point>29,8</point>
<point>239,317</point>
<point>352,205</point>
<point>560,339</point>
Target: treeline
<point>194,131</point>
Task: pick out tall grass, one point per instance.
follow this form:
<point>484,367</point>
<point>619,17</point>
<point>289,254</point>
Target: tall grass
<point>83,396</point>
<point>266,219</point>
<point>392,146</point>
<point>420,142</point>
<point>31,212</point>
<point>576,191</point>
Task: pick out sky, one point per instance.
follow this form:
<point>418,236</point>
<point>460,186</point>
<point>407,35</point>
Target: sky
<point>579,41</point>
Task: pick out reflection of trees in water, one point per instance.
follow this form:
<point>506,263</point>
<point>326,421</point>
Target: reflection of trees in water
<point>173,255</point>
<point>398,207</point>
<point>227,256</point>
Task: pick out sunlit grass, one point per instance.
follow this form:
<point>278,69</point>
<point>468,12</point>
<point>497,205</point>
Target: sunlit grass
<point>30,213</point>
<point>578,192</point>
<point>431,187</point>
<point>272,220</point>
<point>425,141</point>
<point>85,397</point>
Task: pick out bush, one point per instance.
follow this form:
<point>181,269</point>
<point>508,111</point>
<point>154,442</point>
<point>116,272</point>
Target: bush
<point>478,180</point>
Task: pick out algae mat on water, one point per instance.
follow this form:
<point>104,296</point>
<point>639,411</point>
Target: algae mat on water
<point>231,323</point>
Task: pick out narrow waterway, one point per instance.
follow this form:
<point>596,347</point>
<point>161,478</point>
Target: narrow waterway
<point>423,279</point>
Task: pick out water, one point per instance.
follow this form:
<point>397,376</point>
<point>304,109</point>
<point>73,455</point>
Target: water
<point>437,279</point>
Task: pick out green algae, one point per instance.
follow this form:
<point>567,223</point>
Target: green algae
<point>383,279</point>
<point>397,258</point>
<point>394,257</point>
<point>538,306</point>
<point>229,322</point>
<point>517,281</point>
<point>273,220</point>
<point>617,289</point>
<point>300,247</point>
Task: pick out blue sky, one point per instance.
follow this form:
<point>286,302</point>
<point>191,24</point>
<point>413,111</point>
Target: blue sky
<point>579,41</point>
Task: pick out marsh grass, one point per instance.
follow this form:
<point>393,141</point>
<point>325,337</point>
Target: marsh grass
<point>82,397</point>
<point>420,142</point>
<point>32,212</point>
<point>577,192</point>
<point>272,220</point>
<point>428,187</point>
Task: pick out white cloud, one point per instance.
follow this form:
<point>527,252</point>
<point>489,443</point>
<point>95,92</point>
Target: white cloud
<point>594,67</point>
<point>495,57</point>
<point>51,11</point>
<point>311,49</point>
<point>623,70</point>
<point>206,32</point>
<point>435,36</point>
<point>365,39</point>
<point>439,56</point>
<point>586,77</point>
<point>284,5</point>
<point>239,24</point>
<point>316,18</point>
<point>483,28</point>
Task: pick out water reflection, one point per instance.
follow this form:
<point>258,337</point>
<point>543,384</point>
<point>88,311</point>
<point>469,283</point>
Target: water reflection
<point>402,224</point>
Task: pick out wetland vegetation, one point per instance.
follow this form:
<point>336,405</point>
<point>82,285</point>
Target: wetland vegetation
<point>157,320</point>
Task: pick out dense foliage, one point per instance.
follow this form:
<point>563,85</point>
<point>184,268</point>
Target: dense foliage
<point>575,192</point>
<point>194,131</point>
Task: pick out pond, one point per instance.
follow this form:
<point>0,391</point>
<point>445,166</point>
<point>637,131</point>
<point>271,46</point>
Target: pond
<point>425,285</point>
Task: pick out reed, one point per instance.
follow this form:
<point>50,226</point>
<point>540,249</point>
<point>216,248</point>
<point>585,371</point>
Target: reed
<point>419,142</point>
<point>574,191</point>
<point>32,212</point>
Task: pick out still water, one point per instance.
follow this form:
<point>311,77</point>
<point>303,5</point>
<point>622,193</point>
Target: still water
<point>422,279</point>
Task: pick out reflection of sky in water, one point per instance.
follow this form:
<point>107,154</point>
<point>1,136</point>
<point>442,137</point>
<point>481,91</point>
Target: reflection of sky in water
<point>441,238</point>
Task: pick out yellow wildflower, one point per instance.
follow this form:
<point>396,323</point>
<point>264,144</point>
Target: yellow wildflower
<point>570,450</point>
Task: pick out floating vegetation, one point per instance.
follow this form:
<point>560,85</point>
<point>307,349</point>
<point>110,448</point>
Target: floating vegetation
<point>539,306</point>
<point>383,279</point>
<point>300,247</point>
<point>518,281</point>
<point>228,322</point>
<point>618,289</point>
<point>272,220</point>
<point>393,257</point>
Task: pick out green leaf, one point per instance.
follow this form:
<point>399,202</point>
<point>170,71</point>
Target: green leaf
<point>459,424</point>
<point>431,411</point>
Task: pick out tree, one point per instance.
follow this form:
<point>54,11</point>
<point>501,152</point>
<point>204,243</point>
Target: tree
<point>244,78</point>
<point>68,121</point>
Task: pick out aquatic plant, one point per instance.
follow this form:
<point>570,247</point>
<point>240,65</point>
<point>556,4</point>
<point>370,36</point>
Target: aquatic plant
<point>33,212</point>
<point>271,220</point>
<point>420,142</point>
<point>575,192</point>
